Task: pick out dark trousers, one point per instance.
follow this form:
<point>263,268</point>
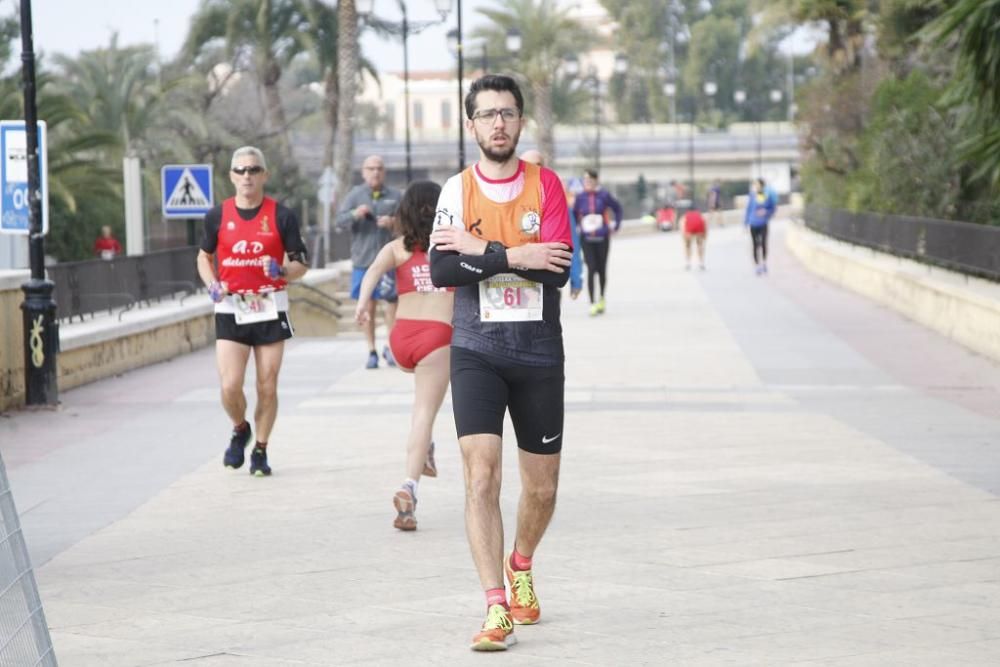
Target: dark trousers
<point>595,254</point>
<point>759,237</point>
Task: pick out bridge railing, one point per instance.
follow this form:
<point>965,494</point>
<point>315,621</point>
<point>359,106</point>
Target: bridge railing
<point>960,246</point>
<point>90,286</point>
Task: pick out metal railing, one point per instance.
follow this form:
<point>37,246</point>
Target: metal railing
<point>961,246</point>
<point>24,634</point>
<point>94,285</point>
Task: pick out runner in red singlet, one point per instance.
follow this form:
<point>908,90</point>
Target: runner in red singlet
<point>258,248</point>
<point>421,335</point>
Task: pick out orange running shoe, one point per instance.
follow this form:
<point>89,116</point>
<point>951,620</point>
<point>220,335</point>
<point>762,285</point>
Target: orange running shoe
<point>523,603</point>
<point>497,633</point>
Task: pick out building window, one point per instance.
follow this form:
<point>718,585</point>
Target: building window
<point>418,114</point>
<point>445,114</point>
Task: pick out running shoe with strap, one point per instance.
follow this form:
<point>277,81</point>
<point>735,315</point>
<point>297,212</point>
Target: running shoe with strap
<point>258,463</point>
<point>497,633</point>
<point>430,467</point>
<point>523,603</point>
<point>406,504</point>
<point>234,455</point>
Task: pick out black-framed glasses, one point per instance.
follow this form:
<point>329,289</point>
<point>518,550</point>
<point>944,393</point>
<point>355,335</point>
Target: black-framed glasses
<point>489,116</point>
<point>253,171</point>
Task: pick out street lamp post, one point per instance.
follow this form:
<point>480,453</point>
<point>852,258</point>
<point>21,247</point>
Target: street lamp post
<point>710,88</point>
<point>444,6</point>
<point>41,333</point>
<point>405,28</point>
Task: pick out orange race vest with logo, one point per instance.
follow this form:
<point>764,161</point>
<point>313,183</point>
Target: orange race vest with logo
<point>513,223</point>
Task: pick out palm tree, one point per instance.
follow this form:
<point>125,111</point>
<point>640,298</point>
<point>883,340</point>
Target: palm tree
<point>348,72</point>
<point>549,34</point>
<point>260,35</point>
<point>117,92</point>
<point>972,24</point>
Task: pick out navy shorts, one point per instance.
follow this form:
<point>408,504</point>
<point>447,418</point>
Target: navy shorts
<point>257,333</point>
<point>484,387</point>
<point>385,290</point>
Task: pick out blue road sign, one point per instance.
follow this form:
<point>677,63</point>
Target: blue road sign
<point>14,205</point>
<point>187,190</point>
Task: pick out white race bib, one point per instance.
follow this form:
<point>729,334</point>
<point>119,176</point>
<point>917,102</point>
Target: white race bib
<point>507,297</point>
<point>591,222</point>
<point>252,308</point>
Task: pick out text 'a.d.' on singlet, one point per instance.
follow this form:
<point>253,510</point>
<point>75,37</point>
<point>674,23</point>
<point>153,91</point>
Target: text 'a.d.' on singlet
<point>243,250</point>
<point>507,315</point>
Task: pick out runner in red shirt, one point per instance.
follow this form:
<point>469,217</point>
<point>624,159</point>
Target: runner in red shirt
<point>107,246</point>
<point>694,230</point>
<point>258,247</point>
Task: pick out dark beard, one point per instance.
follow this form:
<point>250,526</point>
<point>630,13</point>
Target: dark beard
<point>495,156</point>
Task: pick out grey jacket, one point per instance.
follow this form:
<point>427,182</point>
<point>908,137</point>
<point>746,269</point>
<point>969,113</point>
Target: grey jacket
<point>367,238</point>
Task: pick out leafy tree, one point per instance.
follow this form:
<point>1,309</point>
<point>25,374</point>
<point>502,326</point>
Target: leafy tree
<point>262,36</point>
<point>973,27</point>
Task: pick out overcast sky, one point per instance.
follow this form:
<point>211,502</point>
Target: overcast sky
<point>71,26</point>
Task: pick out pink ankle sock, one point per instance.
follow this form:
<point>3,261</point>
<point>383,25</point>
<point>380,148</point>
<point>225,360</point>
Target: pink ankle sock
<point>519,562</point>
<point>496,596</point>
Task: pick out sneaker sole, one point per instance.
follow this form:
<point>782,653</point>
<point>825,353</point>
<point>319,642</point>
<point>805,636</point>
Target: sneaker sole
<point>487,645</point>
<point>403,503</point>
<point>405,522</point>
<point>260,473</point>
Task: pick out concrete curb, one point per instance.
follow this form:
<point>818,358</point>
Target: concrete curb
<point>963,308</point>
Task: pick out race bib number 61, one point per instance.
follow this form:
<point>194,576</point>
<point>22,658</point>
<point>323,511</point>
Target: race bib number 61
<point>507,297</point>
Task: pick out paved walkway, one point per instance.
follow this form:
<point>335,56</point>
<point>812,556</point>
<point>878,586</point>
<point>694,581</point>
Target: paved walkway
<point>757,471</point>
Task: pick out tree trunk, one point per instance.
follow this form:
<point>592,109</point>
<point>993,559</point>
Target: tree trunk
<point>347,56</point>
<point>542,92</point>
<point>275,110</point>
<point>330,114</point>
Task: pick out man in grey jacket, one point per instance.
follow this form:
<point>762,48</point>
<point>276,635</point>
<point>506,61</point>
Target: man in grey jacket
<point>369,211</point>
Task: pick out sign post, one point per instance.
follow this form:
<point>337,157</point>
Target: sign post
<point>187,194</point>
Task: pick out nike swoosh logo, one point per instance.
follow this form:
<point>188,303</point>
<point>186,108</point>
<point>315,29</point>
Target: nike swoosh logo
<point>546,440</point>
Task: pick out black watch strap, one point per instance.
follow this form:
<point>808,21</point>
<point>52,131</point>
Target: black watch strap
<point>495,246</point>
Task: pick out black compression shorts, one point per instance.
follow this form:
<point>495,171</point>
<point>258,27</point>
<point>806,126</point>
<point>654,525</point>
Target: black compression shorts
<point>257,333</point>
<point>484,387</point>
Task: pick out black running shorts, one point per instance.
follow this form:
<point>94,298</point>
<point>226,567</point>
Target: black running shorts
<point>258,333</point>
<point>484,387</point>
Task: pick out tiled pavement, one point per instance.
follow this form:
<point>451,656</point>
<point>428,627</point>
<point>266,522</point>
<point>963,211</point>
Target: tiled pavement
<point>758,471</point>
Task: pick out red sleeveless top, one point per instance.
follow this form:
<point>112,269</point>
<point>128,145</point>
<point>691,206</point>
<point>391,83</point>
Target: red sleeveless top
<point>414,275</point>
<point>245,246</point>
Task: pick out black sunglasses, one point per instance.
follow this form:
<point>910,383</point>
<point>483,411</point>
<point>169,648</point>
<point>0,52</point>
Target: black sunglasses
<point>254,170</point>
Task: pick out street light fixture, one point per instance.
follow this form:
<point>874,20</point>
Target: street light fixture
<point>571,65</point>
<point>621,63</point>
<point>404,28</point>
<point>444,8</point>
<point>514,40</point>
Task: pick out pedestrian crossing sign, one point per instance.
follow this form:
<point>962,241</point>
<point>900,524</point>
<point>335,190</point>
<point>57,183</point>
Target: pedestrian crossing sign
<point>187,190</point>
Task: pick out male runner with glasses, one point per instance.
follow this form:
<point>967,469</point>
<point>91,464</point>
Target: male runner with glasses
<point>502,238</point>
<point>249,237</point>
